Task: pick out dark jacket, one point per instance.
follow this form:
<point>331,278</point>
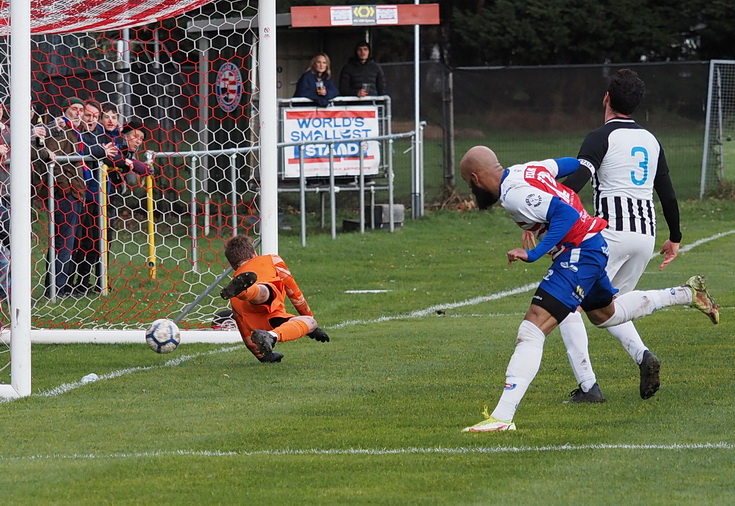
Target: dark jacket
<point>355,73</point>
<point>306,88</point>
<point>68,176</point>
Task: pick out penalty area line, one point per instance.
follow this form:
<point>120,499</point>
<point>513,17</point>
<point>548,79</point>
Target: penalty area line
<point>378,451</point>
<point>420,313</point>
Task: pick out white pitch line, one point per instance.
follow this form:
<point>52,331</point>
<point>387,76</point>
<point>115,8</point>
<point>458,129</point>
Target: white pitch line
<point>367,291</point>
<point>378,451</point>
<point>699,242</point>
<point>66,387</point>
<point>441,307</point>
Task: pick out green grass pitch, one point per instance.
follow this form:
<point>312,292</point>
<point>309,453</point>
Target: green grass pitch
<point>374,417</point>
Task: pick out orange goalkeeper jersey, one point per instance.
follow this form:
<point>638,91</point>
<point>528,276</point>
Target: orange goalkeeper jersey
<point>271,270</point>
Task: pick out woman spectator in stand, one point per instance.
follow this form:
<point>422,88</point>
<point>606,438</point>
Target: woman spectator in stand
<point>316,82</point>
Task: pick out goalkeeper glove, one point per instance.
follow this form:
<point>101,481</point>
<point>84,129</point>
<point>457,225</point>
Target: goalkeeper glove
<point>239,284</point>
<point>319,335</point>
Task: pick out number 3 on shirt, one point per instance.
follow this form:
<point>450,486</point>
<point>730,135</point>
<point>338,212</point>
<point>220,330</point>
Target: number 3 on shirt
<point>643,164</point>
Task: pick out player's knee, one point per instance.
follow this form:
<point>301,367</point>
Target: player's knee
<point>602,317</point>
<point>530,334</point>
<point>310,322</point>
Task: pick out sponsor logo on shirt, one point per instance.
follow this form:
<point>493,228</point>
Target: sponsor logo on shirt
<point>533,200</point>
<point>567,265</point>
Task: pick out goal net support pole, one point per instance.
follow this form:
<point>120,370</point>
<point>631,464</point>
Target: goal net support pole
<point>267,90</point>
<point>20,201</point>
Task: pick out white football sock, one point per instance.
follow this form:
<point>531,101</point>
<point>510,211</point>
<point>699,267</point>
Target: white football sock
<point>574,335</point>
<point>640,303</point>
<point>629,337</point>
<point>522,368</point>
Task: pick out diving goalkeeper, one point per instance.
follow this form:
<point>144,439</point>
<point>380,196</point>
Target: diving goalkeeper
<point>257,293</point>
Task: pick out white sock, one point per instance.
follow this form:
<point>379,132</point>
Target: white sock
<point>574,335</point>
<point>628,336</point>
<point>640,303</point>
<point>522,368</point>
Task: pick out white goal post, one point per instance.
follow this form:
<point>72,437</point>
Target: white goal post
<point>718,152</point>
<point>20,184</point>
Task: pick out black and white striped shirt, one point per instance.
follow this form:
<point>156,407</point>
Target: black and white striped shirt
<point>627,163</point>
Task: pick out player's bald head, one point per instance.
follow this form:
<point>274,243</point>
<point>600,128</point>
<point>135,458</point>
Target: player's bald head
<point>478,159</point>
<point>482,171</point>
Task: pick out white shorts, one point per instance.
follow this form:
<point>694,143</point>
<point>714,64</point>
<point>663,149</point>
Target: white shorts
<point>630,253</point>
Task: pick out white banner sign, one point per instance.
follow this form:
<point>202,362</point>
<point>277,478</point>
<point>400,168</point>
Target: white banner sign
<point>347,125</point>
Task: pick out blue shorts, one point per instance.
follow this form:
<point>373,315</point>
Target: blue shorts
<point>577,277</point>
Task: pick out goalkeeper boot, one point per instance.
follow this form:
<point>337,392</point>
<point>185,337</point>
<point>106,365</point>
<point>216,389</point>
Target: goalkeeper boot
<point>238,284</point>
<point>702,300</point>
<point>264,340</point>
<point>272,357</point>
<point>489,424</point>
<point>594,394</point>
<point>650,381</point>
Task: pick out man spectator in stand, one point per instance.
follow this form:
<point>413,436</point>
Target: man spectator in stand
<point>87,252</point>
<point>72,117</point>
<point>361,76</point>
<point>128,144</point>
<point>110,121</point>
<point>68,194</point>
<point>4,204</point>
<point>124,166</point>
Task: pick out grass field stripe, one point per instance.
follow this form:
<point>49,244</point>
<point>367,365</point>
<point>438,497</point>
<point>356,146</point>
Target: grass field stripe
<point>515,291</point>
<point>67,387</point>
<point>442,307</point>
<point>367,291</point>
<point>380,451</point>
<point>704,240</point>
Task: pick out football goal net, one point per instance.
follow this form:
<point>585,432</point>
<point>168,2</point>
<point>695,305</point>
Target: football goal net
<point>718,158</point>
<point>145,158</point>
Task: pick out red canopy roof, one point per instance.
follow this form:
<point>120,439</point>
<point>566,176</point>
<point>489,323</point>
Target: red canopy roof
<point>68,16</point>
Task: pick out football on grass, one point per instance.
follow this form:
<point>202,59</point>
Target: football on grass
<point>163,336</point>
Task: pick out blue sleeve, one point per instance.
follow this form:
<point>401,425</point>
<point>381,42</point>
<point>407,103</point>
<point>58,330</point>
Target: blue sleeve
<point>566,165</point>
<point>91,146</point>
<point>561,217</point>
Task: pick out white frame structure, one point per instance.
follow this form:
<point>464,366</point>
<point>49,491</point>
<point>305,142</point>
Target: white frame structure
<point>714,116</point>
<point>20,198</point>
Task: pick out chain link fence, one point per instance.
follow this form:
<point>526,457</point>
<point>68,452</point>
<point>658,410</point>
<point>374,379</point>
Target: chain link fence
<point>527,113</point>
